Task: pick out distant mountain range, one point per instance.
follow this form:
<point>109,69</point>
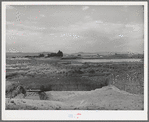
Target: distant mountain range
<point>101,53</point>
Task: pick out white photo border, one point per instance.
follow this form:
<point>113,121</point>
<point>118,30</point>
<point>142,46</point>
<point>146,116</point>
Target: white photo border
<point>85,114</point>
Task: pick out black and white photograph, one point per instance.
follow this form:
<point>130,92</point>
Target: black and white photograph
<point>75,57</point>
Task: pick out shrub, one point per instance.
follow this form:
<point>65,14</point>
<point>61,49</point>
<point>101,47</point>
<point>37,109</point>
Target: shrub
<point>92,71</point>
<point>47,88</point>
<point>43,96</point>
<point>11,75</point>
<point>78,71</point>
<point>107,81</point>
<point>104,82</point>
<point>41,55</point>
<point>42,88</point>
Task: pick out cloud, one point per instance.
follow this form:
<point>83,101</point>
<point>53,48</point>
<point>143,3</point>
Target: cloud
<point>14,35</point>
<point>99,22</point>
<point>25,26</point>
<point>82,35</point>
<point>99,34</point>
<point>135,27</point>
<point>84,8</point>
<point>125,8</point>
<point>33,28</point>
<point>9,7</point>
<point>97,25</point>
<point>42,15</point>
<point>88,18</point>
<point>111,30</point>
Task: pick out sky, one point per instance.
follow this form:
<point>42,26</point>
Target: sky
<point>74,28</point>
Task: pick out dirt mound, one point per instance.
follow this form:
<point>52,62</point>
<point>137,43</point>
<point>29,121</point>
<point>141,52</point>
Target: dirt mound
<point>106,98</point>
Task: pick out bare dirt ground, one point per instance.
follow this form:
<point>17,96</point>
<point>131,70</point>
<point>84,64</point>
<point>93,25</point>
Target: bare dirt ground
<point>106,98</point>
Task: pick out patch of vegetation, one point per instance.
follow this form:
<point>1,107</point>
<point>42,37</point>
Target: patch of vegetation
<point>54,76</point>
<point>10,89</point>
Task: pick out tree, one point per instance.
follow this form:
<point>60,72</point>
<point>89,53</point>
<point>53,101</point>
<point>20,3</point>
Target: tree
<point>60,53</point>
<point>41,55</point>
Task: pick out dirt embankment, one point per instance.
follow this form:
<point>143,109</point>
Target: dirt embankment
<point>106,98</point>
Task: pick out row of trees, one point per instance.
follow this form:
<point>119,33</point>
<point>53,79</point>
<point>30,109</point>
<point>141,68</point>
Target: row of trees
<point>58,54</point>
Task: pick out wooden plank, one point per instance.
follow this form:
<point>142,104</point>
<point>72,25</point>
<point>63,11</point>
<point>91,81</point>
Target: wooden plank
<point>33,90</point>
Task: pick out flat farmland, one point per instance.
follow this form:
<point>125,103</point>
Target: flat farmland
<point>61,75</point>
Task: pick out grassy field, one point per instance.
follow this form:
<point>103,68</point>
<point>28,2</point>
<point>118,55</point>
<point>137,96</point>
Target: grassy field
<point>59,75</point>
